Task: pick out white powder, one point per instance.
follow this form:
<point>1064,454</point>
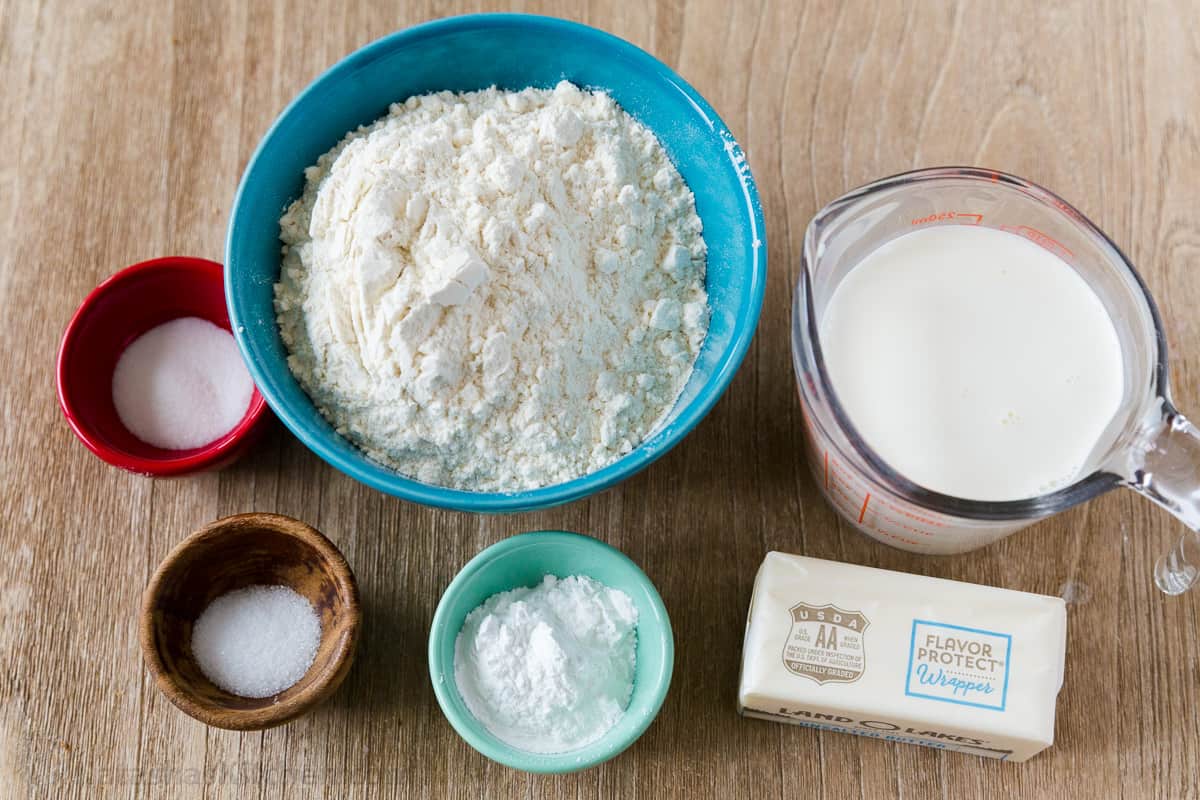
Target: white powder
<point>181,385</point>
<point>257,641</point>
<point>494,290</point>
<point>549,669</point>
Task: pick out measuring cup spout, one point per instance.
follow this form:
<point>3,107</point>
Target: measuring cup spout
<point>1164,465</point>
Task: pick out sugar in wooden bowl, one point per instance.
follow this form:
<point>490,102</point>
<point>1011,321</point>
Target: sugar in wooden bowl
<point>257,641</point>
<point>209,599</point>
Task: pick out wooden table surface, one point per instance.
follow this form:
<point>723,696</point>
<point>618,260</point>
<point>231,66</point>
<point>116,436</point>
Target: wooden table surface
<point>124,130</point>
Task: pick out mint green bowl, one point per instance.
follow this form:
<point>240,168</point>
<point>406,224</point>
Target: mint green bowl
<point>523,560</point>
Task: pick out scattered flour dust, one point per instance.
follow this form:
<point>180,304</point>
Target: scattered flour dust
<point>549,669</point>
<point>494,290</point>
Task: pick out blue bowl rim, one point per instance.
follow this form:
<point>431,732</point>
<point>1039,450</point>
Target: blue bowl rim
<point>650,449</point>
<point>476,734</point>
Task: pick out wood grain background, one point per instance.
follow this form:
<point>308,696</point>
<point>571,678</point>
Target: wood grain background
<point>125,127</point>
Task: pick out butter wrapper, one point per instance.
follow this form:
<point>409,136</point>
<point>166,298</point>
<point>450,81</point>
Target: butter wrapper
<point>902,657</point>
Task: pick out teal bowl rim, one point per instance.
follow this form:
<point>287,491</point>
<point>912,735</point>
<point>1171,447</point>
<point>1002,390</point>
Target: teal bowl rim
<point>650,449</point>
<point>441,675</point>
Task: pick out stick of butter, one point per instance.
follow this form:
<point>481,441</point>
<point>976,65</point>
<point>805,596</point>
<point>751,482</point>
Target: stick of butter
<point>903,657</point>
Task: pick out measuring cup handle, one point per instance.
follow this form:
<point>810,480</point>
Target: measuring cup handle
<point>1164,465</point>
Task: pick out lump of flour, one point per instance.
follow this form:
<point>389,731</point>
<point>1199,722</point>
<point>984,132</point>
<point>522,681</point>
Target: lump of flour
<point>495,290</point>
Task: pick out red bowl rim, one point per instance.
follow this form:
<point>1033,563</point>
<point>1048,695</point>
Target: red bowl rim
<point>195,460</point>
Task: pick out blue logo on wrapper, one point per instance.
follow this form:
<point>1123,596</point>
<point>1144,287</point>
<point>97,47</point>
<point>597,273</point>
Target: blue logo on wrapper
<point>954,664</point>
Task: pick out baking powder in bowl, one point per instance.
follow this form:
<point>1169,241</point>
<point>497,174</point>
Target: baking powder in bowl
<point>549,669</point>
<point>496,290</point>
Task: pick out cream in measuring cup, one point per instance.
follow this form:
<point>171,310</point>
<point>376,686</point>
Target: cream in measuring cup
<point>973,355</point>
<point>975,362</point>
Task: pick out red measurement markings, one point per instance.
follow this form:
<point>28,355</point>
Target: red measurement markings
<point>849,476</point>
<point>1066,209</point>
<point>946,216</point>
<point>842,502</point>
<point>897,538</point>
<point>915,517</point>
<point>837,491</point>
<point>843,485</point>
<point>898,524</point>
<point>846,503</point>
<point>839,476</point>
<point>882,519</point>
<point>1039,238</point>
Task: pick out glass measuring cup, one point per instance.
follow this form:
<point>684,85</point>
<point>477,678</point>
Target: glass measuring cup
<point>1148,446</point>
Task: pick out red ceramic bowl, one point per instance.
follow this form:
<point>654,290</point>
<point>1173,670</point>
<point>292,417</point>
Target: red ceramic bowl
<point>118,311</point>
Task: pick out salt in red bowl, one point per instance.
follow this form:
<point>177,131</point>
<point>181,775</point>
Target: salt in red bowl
<point>118,311</point>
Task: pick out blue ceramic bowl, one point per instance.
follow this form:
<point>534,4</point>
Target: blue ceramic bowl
<point>511,51</point>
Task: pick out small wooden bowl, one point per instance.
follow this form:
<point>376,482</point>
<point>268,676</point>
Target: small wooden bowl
<point>230,554</point>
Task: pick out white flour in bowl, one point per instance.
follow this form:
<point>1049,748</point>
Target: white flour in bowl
<point>494,290</point>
